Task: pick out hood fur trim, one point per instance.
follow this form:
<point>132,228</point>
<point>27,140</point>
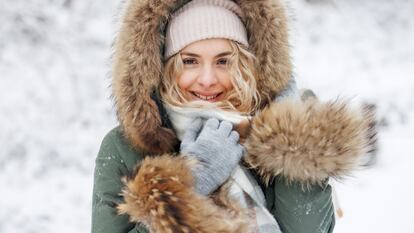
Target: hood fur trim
<point>137,68</point>
<point>309,142</point>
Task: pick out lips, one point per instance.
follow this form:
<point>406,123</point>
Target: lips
<point>206,97</point>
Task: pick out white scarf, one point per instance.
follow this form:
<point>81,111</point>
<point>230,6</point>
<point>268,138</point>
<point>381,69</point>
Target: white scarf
<point>244,188</point>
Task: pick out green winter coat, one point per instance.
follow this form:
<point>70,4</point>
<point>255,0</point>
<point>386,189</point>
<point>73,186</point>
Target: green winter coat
<point>296,210</point>
<point>300,143</point>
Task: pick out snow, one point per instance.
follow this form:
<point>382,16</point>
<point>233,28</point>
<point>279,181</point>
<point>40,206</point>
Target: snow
<point>55,104</point>
<point>380,200</point>
<point>365,50</point>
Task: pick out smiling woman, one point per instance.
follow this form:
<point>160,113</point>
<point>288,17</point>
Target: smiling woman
<point>205,75</point>
<point>223,63</point>
<point>218,71</point>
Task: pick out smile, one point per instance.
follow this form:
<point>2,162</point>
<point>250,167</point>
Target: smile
<point>206,97</point>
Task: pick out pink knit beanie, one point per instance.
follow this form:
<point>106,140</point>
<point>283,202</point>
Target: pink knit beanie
<point>204,19</point>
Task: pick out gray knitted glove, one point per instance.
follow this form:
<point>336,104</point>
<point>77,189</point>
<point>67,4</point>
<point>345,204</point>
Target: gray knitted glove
<point>216,148</point>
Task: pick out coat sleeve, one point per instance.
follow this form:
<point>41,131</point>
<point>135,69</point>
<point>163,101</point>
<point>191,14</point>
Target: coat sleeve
<point>161,195</point>
<point>295,147</point>
<point>109,168</point>
<point>300,210</point>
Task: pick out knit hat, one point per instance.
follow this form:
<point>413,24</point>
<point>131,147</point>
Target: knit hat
<point>204,19</point>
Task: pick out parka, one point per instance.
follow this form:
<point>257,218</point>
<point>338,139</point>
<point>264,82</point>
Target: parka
<point>143,184</point>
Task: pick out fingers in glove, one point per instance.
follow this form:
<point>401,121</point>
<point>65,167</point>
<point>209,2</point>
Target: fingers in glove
<point>225,128</point>
<point>212,123</point>
<point>242,150</point>
<point>234,137</point>
<point>193,130</point>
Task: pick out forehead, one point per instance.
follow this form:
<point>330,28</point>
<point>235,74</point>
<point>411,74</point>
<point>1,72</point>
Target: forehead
<point>208,47</point>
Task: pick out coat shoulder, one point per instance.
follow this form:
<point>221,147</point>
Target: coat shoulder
<point>116,145</point>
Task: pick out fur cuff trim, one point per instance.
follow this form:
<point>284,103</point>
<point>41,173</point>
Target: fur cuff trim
<point>162,197</point>
<point>310,141</point>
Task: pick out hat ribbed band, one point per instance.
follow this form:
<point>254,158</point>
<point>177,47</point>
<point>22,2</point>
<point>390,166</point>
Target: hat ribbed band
<point>204,19</point>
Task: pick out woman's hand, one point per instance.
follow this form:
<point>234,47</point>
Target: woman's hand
<point>216,148</point>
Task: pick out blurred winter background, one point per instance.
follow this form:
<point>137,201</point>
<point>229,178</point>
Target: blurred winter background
<point>55,104</point>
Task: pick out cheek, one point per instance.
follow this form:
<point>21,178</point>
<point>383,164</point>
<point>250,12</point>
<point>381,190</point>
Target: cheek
<point>185,81</point>
<point>226,81</point>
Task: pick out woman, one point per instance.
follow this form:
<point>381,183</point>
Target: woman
<point>222,64</point>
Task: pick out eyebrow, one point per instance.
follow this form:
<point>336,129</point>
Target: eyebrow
<point>196,55</point>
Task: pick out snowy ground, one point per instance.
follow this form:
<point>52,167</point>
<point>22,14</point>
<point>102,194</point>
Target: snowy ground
<point>55,106</point>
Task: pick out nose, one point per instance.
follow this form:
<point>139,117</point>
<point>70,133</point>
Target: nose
<point>207,77</point>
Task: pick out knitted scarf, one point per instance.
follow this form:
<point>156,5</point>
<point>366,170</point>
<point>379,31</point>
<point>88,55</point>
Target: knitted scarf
<point>243,187</point>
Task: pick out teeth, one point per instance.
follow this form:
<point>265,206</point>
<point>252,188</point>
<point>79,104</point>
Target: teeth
<point>203,97</point>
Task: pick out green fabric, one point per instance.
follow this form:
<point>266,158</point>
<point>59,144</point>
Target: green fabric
<point>296,211</point>
<point>116,159</point>
<point>300,210</point>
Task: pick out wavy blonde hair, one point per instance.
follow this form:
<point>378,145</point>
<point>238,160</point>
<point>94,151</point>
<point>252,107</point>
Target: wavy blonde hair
<point>244,96</point>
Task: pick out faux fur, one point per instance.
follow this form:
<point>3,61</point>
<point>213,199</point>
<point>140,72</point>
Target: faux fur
<point>138,65</point>
<point>161,196</point>
<point>303,141</point>
<point>306,142</point>
<point>309,141</point>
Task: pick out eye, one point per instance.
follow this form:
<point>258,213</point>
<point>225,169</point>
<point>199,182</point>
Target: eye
<point>189,61</point>
<point>222,61</point>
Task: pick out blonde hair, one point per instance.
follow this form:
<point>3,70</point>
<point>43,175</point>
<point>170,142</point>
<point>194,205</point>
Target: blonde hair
<point>244,96</point>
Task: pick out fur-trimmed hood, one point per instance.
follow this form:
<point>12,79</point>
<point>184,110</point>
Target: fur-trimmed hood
<point>138,64</point>
<point>307,141</point>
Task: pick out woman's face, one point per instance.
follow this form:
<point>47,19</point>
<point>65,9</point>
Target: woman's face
<point>205,73</point>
